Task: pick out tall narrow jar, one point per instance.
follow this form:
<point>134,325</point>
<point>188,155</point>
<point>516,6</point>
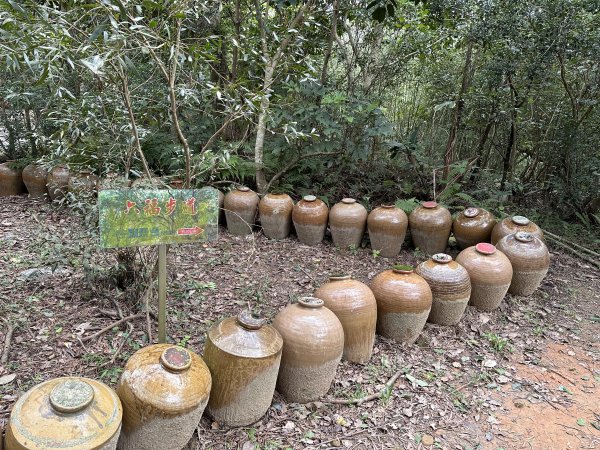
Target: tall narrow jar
<point>387,228</point>
<point>275,212</point>
<point>310,219</point>
<point>243,355</point>
<point>472,226</point>
<point>313,343</point>
<point>354,304</point>
<point>240,210</point>
<point>347,222</point>
<point>430,226</point>
<point>164,390</point>
<point>514,224</point>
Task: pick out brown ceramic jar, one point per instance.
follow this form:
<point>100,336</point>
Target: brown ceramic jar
<point>472,226</point>
<point>71,413</point>
<point>450,286</point>
<point>84,183</point>
<point>275,212</point>
<point>513,224</point>
<point>310,219</point>
<point>430,226</point>
<point>243,355</point>
<point>58,182</point>
<point>347,221</point>
<point>313,343</point>
<point>403,303</point>
<point>354,304</point>
<point>11,181</point>
<point>240,210</point>
<point>34,177</point>
<point>164,390</point>
<point>530,261</point>
<point>387,228</point>
<point>490,272</point>
<point>221,208</point>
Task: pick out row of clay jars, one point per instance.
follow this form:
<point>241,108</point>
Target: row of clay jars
<point>11,181</point>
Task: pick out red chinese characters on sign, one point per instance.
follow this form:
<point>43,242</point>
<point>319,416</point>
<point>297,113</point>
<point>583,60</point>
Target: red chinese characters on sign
<point>170,205</point>
<point>189,206</point>
<point>129,206</point>
<point>151,208</point>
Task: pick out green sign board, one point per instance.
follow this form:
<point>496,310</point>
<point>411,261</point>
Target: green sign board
<point>136,217</point>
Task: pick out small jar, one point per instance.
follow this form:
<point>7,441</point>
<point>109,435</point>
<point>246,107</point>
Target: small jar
<point>347,222</point>
<point>514,224</point>
<point>240,210</point>
<point>275,211</point>
<point>430,226</point>
<point>387,228</point>
<point>310,219</point>
<point>472,226</point>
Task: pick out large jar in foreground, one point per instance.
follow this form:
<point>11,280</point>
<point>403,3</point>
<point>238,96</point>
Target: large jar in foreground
<point>34,177</point>
<point>11,181</point>
<point>354,304</point>
<point>430,226</point>
<point>347,221</point>
<point>403,303</point>
<point>530,261</point>
<point>58,182</point>
<point>313,343</point>
<point>71,413</point>
<point>310,219</point>
<point>387,228</point>
<point>164,390</point>
<point>490,272</point>
<point>450,286</point>
<point>243,355</point>
<point>275,212</point>
<point>240,210</point>
<point>472,226</point>
<point>514,224</point>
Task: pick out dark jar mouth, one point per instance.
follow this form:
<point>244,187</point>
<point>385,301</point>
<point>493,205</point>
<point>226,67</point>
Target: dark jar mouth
<point>250,321</point>
<point>348,200</point>
<point>471,212</point>
<point>403,269</point>
<point>310,302</point>
<point>339,277</point>
<point>524,236</point>
<point>441,258</point>
<point>520,220</point>
<point>429,205</point>
<point>176,359</point>
<point>309,198</point>
<point>485,249</point>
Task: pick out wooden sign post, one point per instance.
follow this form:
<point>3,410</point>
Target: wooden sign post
<point>138,217</point>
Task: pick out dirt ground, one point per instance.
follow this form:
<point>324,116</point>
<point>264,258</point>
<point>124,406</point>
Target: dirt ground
<point>526,376</point>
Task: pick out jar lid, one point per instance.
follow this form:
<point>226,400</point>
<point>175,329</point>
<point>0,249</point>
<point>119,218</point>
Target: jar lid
<point>249,321</point>
<point>348,200</point>
<point>471,212</point>
<point>309,198</point>
<point>429,205</point>
<point>523,236</point>
<point>339,277</point>
<point>388,205</point>
<point>176,359</point>
<point>402,268</point>
<point>520,220</point>
<point>441,258</point>
<point>71,396</point>
<point>485,249</point>
<point>311,302</point>
<point>243,188</point>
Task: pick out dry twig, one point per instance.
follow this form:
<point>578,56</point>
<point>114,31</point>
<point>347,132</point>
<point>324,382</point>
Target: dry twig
<point>115,324</point>
<point>361,400</point>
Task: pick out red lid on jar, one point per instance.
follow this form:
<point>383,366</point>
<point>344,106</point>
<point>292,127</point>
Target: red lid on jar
<point>429,205</point>
<point>485,249</point>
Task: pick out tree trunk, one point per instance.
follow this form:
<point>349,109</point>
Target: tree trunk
<point>261,179</point>
<point>237,22</point>
<point>332,36</point>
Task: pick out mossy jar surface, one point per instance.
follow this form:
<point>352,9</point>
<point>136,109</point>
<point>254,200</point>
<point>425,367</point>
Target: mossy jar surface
<point>275,211</point>
<point>34,177</point>
<point>472,226</point>
<point>430,226</point>
<point>240,210</point>
<point>11,181</point>
<point>514,224</point>
<point>387,226</point>
<point>310,216</point>
<point>347,222</point>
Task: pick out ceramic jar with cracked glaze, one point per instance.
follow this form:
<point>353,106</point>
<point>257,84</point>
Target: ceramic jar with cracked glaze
<point>243,355</point>
<point>275,211</point>
<point>514,224</point>
<point>430,226</point>
<point>58,182</point>
<point>354,304</point>
<point>11,181</point>
<point>450,286</point>
<point>34,177</point>
<point>472,226</point>
<point>403,303</point>
<point>490,272</point>
<point>83,183</point>
<point>313,343</point>
<point>530,261</point>
<point>310,219</point>
<point>164,390</point>
<point>71,413</point>
<point>387,229</point>
<point>347,222</point>
<point>240,210</point>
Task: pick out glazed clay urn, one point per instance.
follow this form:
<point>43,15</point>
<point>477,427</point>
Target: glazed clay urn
<point>430,226</point>
<point>84,183</point>
<point>11,181</point>
<point>58,182</point>
<point>472,226</point>
<point>34,177</point>
<point>164,390</point>
<point>310,219</point>
<point>387,228</point>
<point>403,303</point>
<point>530,261</point>
<point>450,286</point>
<point>354,304</point>
<point>490,272</point>
<point>347,221</point>
<point>313,343</point>
<point>243,355</point>
<point>275,212</point>
<point>71,413</point>
<point>240,210</point>
<point>512,225</point>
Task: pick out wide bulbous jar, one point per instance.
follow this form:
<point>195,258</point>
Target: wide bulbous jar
<point>243,355</point>
<point>387,228</point>
<point>310,219</point>
<point>530,261</point>
<point>11,181</point>
<point>450,286</point>
<point>403,303</point>
<point>347,222</point>
<point>490,272</point>
<point>71,413</point>
<point>275,211</point>
<point>240,210</point>
<point>313,343</point>
<point>430,226</point>
<point>34,177</point>
<point>58,182</point>
<point>514,224</point>
<point>472,226</point>
<point>164,390</point>
<point>354,304</point>
<point>84,183</point>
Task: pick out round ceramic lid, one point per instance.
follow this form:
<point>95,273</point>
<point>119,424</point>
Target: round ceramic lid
<point>310,302</point>
<point>441,258</point>
<point>339,277</point>
<point>348,200</point>
<point>471,212</point>
<point>524,236</point>
<point>66,413</point>
<point>429,205</point>
<point>485,249</point>
<point>402,268</point>
<point>243,188</point>
<point>388,205</point>
<point>520,220</point>
<point>309,198</point>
